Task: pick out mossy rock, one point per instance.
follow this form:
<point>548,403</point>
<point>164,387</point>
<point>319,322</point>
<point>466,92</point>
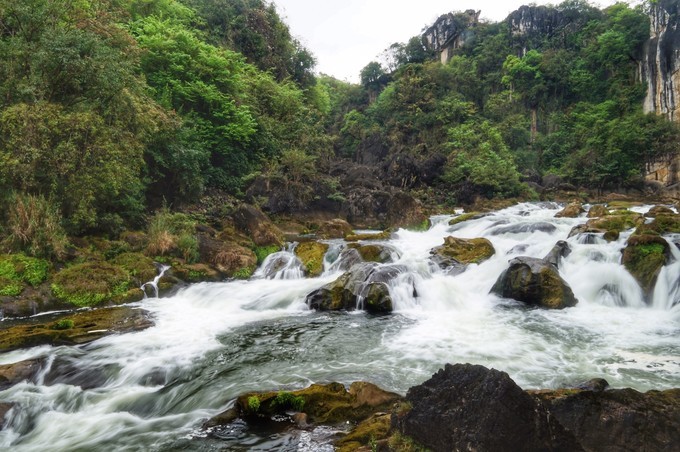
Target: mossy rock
<point>90,284</point>
<point>194,273</point>
<point>659,210</point>
<point>311,254</point>
<point>77,328</point>
<point>384,235</point>
<point>369,432</point>
<point>643,257</point>
<point>262,252</point>
<point>573,210</point>
<point>334,229</point>
<point>141,268</point>
<point>17,270</point>
<point>617,221</point>
<point>662,224</point>
<point>136,240</point>
<point>374,253</point>
<point>329,403</point>
<point>597,211</point>
<point>466,217</point>
<point>465,251</point>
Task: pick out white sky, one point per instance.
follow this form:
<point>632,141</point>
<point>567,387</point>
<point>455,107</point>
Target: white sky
<point>346,35</point>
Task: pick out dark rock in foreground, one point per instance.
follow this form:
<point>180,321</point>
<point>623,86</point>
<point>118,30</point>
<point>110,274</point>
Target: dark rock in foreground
<point>11,374</point>
<point>618,419</point>
<point>535,282</point>
<point>469,407</point>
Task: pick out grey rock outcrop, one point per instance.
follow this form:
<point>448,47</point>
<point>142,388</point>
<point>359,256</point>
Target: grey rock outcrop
<point>451,31</point>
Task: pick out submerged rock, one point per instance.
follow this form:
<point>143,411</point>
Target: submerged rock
<point>5,407</point>
<point>74,328</point>
<point>364,286</point>
<point>525,228</point>
<point>380,253</point>
<point>469,407</point>
<point>643,257</point>
<point>535,282</point>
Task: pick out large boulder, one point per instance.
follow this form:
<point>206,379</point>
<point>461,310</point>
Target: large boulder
<point>618,419</point>
<point>464,251</point>
<point>560,250</point>
<point>662,224</point>
<point>535,282</point>
<point>405,211</point>
<point>469,407</point>
<point>376,252</point>
<point>228,258</point>
<point>251,221</point>
<point>643,257</point>
<point>364,286</point>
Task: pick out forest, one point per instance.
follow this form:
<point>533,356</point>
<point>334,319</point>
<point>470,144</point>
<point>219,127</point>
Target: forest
<point>113,109</point>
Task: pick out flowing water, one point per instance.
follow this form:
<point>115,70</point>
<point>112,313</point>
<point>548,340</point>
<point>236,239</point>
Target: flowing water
<point>152,390</point>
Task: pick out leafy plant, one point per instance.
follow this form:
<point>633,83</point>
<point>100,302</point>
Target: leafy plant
<point>254,404</point>
<point>63,324</point>
<point>285,400</point>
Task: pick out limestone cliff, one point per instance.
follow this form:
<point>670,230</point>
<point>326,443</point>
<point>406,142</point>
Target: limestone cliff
<point>661,64</point>
<point>660,70</point>
<point>451,31</point>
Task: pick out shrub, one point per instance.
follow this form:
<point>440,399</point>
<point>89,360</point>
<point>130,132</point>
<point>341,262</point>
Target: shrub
<point>261,252</point>
<point>18,269</point>
<point>285,400</point>
<point>172,234</point>
<point>63,324</point>
<point>34,227</point>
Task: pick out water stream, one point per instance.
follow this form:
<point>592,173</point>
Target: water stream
<point>153,389</point>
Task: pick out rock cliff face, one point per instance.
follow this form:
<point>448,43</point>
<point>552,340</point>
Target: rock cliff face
<point>451,31</point>
<point>661,64</point>
<point>660,70</point>
<point>529,22</point>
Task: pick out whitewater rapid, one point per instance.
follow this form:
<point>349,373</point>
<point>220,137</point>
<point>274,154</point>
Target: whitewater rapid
<point>153,389</point>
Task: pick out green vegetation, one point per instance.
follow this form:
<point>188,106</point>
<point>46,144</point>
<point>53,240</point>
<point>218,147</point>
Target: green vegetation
<point>243,273</point>
<point>172,234</point>
<point>63,324</point>
<point>286,401</point>
<point>91,283</point>
<point>254,404</point>
<point>17,270</point>
<point>261,252</point>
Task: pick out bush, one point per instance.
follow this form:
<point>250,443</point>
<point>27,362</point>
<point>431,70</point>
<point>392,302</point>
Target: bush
<point>173,234</point>
<point>34,227</point>
<point>16,270</point>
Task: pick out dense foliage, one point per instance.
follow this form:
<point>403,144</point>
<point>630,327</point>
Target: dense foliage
<point>112,108</point>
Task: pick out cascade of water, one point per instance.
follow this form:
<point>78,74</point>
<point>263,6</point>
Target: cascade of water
<point>280,265</point>
<point>154,283</point>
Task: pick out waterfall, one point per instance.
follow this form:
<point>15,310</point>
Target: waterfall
<point>153,284</point>
<point>153,389</point>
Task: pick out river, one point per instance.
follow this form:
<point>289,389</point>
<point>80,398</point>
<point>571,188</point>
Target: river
<point>152,390</point>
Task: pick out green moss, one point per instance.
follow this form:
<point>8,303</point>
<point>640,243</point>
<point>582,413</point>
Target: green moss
<point>367,433</point>
<point>662,224</point>
<point>617,221</point>
<point>643,257</point>
<point>384,235</point>
<point>287,401</point>
<point>422,226</point>
<point>138,265</point>
<point>243,273</point>
<point>10,288</point>
<point>466,251</point>
<point>261,252</point>
<point>254,404</point>
<point>63,324</point>
<point>463,217</point>
<point>311,255</point>
<point>16,270</point>
<point>91,283</point>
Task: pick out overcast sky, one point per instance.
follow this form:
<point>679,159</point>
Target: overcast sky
<point>345,35</point>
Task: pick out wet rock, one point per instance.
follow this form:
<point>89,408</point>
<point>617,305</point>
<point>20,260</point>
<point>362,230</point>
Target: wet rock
<point>462,251</point>
<point>659,210</point>
<point>383,235</point>
<point>466,217</point>
<point>334,229</point>
<point>618,221</point>
<point>371,432</point>
<point>74,328</point>
<point>560,250</point>
<point>596,385</point>
<point>643,257</point>
<point>11,374</point>
<point>662,224</point>
<point>31,301</point>
<point>469,407</point>
<point>380,253</point>
<point>347,259</point>
<point>618,419</point>
<point>534,282</point>
<point>598,210</point>
<point>573,210</point>
<point>257,225</point>
<point>5,407</point>
<point>611,236</point>
<point>194,273</point>
<point>364,282</point>
<point>320,403</point>
<point>405,211</point>
<point>311,254</point>
<point>525,228</point>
